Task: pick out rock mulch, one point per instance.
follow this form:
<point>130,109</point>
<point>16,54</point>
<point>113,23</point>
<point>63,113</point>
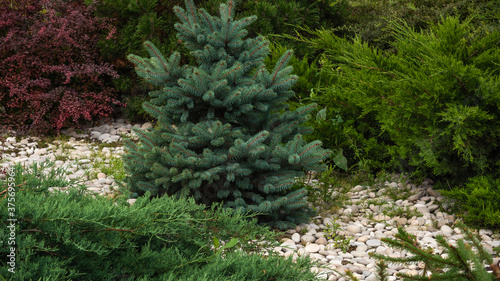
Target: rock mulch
<point>367,223</point>
<point>364,221</point>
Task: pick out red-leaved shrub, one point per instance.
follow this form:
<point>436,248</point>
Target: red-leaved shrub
<point>51,74</point>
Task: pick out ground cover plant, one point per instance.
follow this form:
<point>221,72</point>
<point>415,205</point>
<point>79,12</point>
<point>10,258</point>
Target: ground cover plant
<point>224,132</point>
<point>71,235</point>
<point>50,69</point>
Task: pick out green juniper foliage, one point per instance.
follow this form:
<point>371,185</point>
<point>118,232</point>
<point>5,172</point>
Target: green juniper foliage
<point>477,201</point>
<point>224,133</point>
<point>73,236</point>
<point>430,108</point>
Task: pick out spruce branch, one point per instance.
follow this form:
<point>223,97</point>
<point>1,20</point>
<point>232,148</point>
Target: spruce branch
<point>382,274</point>
<point>462,262</point>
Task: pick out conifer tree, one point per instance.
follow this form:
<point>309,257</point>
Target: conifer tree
<point>224,133</point>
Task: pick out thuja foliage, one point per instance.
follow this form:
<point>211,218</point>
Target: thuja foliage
<point>432,106</point>
<point>467,260</point>
<point>51,72</point>
<point>224,132</point>
<point>73,236</point>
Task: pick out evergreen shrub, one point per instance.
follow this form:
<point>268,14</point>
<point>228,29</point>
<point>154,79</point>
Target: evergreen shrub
<point>433,105</point>
<point>304,67</point>
<point>464,260</point>
<point>51,74</point>
<point>278,17</point>
<point>371,19</point>
<point>73,236</point>
<point>477,202</point>
<point>224,132</point>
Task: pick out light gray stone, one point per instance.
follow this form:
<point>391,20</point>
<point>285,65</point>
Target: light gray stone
<point>40,151</point>
<point>320,234</point>
<point>414,197</point>
<point>495,243</point>
<point>363,239</point>
<point>289,245</point>
<point>312,248</point>
<point>312,226</point>
<point>432,207</point>
<point>328,221</point>
<point>95,134</point>
<point>336,261</point>
<point>429,240</point>
<point>312,231</point>
<point>104,137</point>
<point>373,243</point>
<point>357,188</point>
<point>401,221</point>
<point>353,228</point>
<point>485,232</point>
<point>380,250</point>
<point>446,230</point>
<point>356,269</point>
<point>361,248</point>
<point>308,238</point>
<point>432,192</point>
<point>332,278</point>
<point>359,254</point>
<point>296,237</point>
<point>321,241</point>
<point>146,126</point>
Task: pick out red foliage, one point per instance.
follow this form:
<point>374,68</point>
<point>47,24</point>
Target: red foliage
<point>51,74</point>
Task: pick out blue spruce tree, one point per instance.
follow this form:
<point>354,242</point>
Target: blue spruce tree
<point>224,133</point>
